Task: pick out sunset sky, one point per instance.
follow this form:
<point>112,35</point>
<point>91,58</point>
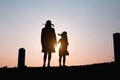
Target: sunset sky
<point>90,25</point>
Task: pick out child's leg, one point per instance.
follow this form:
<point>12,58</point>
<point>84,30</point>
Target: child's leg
<point>64,60</point>
<point>60,60</point>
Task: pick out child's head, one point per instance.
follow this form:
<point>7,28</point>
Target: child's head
<point>63,34</point>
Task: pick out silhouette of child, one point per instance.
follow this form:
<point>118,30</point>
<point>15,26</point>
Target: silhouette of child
<point>63,52</point>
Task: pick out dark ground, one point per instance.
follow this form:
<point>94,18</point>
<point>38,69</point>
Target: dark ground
<point>88,72</point>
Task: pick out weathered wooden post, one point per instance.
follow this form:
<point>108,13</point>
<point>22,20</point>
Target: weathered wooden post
<point>21,58</point>
<point>116,41</point>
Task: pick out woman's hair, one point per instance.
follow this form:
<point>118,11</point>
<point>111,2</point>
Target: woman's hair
<point>49,24</point>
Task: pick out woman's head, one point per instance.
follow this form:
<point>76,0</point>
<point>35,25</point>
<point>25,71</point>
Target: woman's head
<point>48,24</point>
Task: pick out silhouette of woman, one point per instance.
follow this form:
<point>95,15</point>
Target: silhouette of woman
<point>48,41</point>
<point>63,52</point>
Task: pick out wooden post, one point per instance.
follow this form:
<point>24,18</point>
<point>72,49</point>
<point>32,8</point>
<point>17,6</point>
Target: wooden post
<point>21,58</point>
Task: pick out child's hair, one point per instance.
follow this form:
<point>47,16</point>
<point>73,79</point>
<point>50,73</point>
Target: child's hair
<point>64,33</point>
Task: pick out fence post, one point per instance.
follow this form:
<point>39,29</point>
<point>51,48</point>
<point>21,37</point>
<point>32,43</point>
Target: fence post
<point>21,58</point>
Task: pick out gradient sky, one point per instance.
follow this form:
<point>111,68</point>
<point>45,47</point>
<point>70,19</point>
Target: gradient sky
<point>90,25</point>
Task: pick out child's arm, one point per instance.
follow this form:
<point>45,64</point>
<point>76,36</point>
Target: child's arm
<point>58,41</point>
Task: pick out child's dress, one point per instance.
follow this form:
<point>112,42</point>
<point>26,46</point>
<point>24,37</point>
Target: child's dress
<point>63,47</point>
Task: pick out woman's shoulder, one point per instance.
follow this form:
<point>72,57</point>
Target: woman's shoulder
<point>52,28</point>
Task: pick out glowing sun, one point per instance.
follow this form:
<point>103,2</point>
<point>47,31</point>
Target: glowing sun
<point>57,47</point>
